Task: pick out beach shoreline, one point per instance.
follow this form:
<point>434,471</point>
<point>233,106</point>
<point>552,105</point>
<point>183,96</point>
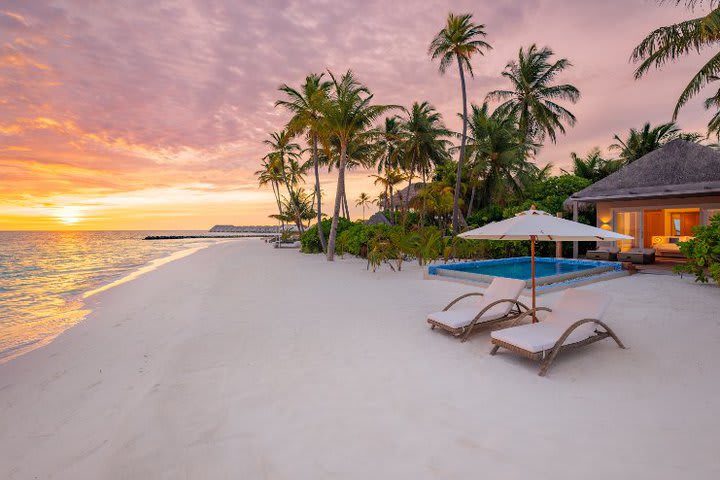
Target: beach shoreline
<point>76,306</point>
<point>244,361</point>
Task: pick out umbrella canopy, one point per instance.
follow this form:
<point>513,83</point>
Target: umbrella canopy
<point>542,226</point>
<point>536,225</point>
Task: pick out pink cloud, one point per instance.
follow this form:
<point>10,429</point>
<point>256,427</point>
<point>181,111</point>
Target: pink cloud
<point>146,86</point>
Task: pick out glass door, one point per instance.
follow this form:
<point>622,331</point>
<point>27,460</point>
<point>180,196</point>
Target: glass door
<point>628,223</point>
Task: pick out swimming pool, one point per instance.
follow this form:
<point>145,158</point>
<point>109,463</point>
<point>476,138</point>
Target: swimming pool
<point>548,271</point>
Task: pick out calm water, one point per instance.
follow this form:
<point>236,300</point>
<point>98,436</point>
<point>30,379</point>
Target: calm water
<point>521,270</point>
<point>44,276</point>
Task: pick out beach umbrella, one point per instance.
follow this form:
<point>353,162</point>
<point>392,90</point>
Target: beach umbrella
<point>537,225</point>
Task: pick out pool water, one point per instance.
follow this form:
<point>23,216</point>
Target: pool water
<point>549,272</point>
<point>521,269</point>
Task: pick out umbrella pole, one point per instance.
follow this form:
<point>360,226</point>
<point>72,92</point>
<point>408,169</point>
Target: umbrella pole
<point>532,274</point>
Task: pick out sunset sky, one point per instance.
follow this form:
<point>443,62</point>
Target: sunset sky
<point>151,115</point>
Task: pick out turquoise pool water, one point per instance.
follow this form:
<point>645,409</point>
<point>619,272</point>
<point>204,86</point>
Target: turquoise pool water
<point>521,269</point>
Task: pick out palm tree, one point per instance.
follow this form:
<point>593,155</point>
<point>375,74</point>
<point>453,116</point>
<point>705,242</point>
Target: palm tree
<point>363,201</point>
<point>271,172</point>
<point>387,143</point>
<point>593,166</point>
<point>669,43</point>
<point>282,150</point>
<point>497,152</point>
<point>299,207</point>
<point>306,104</point>
<point>533,98</point>
<point>641,142</point>
<point>347,116</point>
<point>423,142</point>
<point>388,181</point>
<point>459,40</point>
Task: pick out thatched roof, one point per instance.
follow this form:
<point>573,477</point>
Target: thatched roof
<point>679,168</point>
<point>400,196</point>
<point>377,218</point>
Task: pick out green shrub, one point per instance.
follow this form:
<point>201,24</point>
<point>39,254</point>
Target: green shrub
<point>309,241</point>
<point>703,252</point>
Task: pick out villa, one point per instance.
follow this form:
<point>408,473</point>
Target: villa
<point>659,198</point>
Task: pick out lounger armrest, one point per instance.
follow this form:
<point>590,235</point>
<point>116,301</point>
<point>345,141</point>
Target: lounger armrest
<point>460,298</point>
<point>571,328</point>
<point>487,307</point>
<point>530,312</point>
<point>497,302</point>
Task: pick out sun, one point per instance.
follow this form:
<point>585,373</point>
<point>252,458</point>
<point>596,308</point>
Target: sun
<point>68,215</point>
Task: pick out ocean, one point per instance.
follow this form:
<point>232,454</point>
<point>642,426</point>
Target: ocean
<point>44,276</point>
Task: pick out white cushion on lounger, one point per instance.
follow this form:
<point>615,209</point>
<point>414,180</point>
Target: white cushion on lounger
<point>461,317</point>
<point>502,288</point>
<point>576,305</point>
<point>499,289</point>
<point>533,337</point>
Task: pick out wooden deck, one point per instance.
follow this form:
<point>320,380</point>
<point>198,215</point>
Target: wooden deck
<point>662,266</point>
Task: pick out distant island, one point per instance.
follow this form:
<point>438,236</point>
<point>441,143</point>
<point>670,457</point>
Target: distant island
<point>245,229</point>
<point>238,231</point>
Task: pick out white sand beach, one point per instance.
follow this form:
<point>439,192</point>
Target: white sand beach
<point>242,361</point>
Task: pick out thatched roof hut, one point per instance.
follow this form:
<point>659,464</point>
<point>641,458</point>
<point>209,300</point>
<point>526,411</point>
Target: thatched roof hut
<point>678,169</point>
<point>377,218</point>
<point>400,196</point>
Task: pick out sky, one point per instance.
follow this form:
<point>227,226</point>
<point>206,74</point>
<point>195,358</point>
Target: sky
<point>151,115</point>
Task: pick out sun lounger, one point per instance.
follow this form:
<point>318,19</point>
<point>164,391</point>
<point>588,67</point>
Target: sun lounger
<point>603,253</point>
<point>638,255</point>
<point>573,322</point>
<point>499,303</point>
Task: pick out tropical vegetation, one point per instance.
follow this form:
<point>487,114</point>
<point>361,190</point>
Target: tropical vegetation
<point>432,181</point>
<point>672,42</point>
<point>703,252</point>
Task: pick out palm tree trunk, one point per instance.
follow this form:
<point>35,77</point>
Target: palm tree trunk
<point>392,213</point>
<point>458,180</point>
<point>321,234</point>
<point>407,195</point>
<point>424,205</point>
<point>338,201</point>
<point>472,200</point>
<point>276,192</point>
<point>345,204</point>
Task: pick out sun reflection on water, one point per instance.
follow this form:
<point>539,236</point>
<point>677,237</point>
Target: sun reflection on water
<point>44,276</point>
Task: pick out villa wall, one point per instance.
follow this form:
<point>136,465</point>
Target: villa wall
<point>606,210</point>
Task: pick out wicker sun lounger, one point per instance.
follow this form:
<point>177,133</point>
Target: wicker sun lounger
<point>606,254</point>
<point>499,303</point>
<point>574,322</point>
<point>638,255</point>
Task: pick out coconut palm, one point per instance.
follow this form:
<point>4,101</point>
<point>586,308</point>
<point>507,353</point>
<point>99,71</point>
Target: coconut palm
<point>670,43</point>
<point>593,166</point>
<point>271,173</point>
<point>641,142</point>
<point>533,97</point>
<point>387,143</point>
<point>459,40</point>
<point>362,152</point>
<point>363,201</point>
<point>305,104</point>
<point>298,207</point>
<point>388,181</point>
<point>423,142</point>
<point>347,116</point>
<point>497,155</point>
<point>282,150</point>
